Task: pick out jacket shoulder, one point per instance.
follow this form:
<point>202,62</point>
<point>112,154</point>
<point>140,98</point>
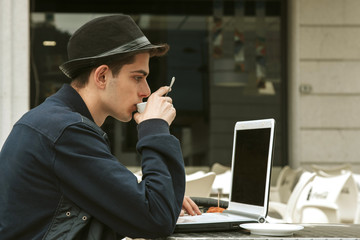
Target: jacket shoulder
<point>51,120</point>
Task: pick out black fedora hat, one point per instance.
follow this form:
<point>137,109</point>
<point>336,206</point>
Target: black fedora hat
<point>105,37</point>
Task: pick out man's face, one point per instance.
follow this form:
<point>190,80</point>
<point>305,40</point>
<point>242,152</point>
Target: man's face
<point>128,88</point>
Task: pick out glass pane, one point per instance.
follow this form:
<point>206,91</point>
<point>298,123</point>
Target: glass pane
<point>227,64</point>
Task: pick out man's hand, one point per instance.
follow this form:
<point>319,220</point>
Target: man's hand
<point>189,207</point>
<point>158,106</point>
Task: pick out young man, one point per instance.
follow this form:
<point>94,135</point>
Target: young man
<point>58,178</point>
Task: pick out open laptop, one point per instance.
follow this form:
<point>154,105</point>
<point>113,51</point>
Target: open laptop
<point>250,184</point>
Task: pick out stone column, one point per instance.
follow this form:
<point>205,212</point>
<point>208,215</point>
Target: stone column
<point>14,63</point>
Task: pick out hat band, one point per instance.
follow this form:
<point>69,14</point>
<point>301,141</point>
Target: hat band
<point>130,46</point>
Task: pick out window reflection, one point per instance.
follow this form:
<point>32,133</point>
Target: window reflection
<point>227,66</point>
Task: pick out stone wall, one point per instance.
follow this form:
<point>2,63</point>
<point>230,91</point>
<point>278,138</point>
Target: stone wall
<point>325,82</point>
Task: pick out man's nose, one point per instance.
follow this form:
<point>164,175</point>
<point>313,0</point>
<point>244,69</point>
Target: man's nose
<point>145,90</point>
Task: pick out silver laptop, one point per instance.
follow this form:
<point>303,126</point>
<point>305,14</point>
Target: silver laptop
<point>250,180</point>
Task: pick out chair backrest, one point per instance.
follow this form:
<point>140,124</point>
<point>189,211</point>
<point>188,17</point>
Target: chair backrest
<point>337,190</point>
<point>222,183</point>
<point>200,186</point>
<point>293,214</point>
<point>327,188</point>
<point>331,171</point>
<point>348,201</point>
<point>286,182</point>
<point>356,177</point>
<point>194,175</point>
<point>218,168</point>
<point>323,199</point>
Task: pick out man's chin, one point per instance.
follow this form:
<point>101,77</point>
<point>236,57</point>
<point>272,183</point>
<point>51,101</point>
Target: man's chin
<point>124,119</point>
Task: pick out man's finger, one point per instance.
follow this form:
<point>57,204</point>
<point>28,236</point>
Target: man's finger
<point>194,206</point>
<point>162,91</point>
<point>190,206</point>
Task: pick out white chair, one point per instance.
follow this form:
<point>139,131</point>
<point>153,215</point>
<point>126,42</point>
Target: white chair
<point>340,190</point>
<point>199,186</point>
<point>218,168</point>
<point>194,169</point>
<point>312,212</point>
<point>348,200</point>
<point>357,180</point>
<point>222,180</point>
<point>332,170</point>
<point>285,184</point>
<point>330,199</point>
<point>194,175</point>
<point>288,212</point>
<point>222,184</point>
<point>313,205</point>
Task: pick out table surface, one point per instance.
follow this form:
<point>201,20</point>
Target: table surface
<point>310,231</point>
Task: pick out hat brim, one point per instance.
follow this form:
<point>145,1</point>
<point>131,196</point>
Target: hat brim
<point>74,67</point>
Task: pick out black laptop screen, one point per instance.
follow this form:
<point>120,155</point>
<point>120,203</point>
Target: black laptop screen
<point>250,166</point>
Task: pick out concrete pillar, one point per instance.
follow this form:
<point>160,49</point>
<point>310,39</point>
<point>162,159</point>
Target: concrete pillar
<point>293,87</point>
<point>14,63</point>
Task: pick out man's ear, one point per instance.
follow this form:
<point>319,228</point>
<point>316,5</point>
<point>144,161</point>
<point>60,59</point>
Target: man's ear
<point>100,75</point>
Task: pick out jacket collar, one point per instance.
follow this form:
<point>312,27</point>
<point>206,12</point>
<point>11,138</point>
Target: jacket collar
<point>69,95</point>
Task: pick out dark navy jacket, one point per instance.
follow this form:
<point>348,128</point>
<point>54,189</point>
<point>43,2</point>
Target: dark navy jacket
<point>59,180</point>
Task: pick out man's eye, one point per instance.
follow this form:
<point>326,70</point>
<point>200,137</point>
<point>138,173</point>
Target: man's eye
<point>138,78</point>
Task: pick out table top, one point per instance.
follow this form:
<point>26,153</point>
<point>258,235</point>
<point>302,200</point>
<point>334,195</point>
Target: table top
<point>310,231</point>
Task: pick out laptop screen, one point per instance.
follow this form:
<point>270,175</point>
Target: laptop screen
<point>250,166</point>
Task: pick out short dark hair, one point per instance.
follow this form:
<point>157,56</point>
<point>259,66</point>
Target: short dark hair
<point>115,64</point>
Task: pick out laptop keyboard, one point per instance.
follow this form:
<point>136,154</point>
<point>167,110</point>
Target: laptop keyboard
<point>210,217</point>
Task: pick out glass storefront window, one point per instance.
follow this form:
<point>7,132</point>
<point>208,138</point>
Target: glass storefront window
<point>227,59</point>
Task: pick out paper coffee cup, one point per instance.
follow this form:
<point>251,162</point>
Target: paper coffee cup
<point>141,107</point>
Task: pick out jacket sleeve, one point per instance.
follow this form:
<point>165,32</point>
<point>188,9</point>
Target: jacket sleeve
<point>91,177</point>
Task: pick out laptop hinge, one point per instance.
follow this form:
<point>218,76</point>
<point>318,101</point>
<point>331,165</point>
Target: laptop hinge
<point>259,218</point>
